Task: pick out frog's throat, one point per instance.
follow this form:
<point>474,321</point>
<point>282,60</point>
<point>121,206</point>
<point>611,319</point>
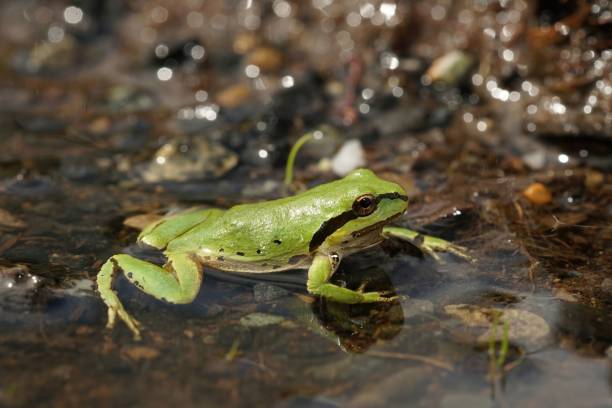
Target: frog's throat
<point>330,226</point>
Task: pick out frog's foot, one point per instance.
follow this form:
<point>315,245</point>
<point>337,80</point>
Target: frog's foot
<point>318,284</point>
<point>431,245</point>
<point>132,324</point>
<point>428,244</point>
<point>112,302</point>
<point>376,296</point>
<point>372,297</point>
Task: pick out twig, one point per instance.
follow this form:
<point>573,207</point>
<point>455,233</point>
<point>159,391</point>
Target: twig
<point>411,357</point>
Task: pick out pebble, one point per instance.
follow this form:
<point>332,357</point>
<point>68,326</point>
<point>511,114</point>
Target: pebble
<point>593,179</point>
<point>416,307</point>
<point>234,95</point>
<point>197,160</point>
<point>525,328</point>
<point>17,277</point>
<point>138,353</point>
<point>7,220</point>
<point>140,221</point>
<point>606,285</point>
<point>538,194</point>
<point>563,294</point>
<point>450,67</point>
<point>266,58</point>
<point>264,292</point>
<point>244,42</point>
<point>260,320</point>
<point>350,157</point>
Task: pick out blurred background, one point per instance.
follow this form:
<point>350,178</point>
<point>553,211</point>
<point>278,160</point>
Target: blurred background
<point>495,115</point>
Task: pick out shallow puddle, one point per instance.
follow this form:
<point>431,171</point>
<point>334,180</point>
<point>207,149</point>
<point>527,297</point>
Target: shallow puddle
<point>114,113</point>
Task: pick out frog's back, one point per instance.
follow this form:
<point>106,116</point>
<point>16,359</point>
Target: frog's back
<point>260,237</point>
<point>267,230</point>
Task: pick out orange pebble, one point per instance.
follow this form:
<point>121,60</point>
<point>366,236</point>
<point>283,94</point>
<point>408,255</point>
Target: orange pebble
<point>538,194</point>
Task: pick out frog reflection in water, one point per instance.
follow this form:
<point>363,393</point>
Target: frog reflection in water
<point>312,230</point>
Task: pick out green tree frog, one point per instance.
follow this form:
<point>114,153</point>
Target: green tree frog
<point>313,230</point>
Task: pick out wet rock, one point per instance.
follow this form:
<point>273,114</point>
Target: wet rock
<point>7,220</point>
<point>538,194</point>
<point>264,292</point>
<point>17,286</point>
<point>606,286</point>
<point>189,161</point>
<point>350,157</point>
<point>526,329</point>
<point>563,294</point>
<point>254,320</point>
<point>140,221</point>
<point>17,277</point>
<point>416,307</point>
<point>535,159</point>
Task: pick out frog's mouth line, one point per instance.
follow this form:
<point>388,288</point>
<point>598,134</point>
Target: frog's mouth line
<point>333,224</point>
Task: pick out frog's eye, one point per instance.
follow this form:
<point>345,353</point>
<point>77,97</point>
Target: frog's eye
<point>364,205</point>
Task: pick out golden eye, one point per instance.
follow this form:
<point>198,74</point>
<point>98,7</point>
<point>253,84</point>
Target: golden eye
<point>364,205</point>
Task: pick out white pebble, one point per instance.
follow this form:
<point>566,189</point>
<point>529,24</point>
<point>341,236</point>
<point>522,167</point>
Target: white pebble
<point>350,157</point>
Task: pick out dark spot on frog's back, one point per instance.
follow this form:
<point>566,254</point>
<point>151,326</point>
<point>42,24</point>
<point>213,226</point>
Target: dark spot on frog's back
<point>220,258</point>
<point>277,241</point>
<point>258,251</point>
<point>240,253</point>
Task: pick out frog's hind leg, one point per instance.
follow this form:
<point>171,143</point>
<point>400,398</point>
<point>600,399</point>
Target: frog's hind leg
<point>159,233</point>
<point>178,282</point>
<point>426,243</point>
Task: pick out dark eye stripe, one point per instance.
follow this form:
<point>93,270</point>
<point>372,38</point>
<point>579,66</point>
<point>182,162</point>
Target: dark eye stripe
<point>332,225</point>
<point>329,227</point>
<point>391,196</point>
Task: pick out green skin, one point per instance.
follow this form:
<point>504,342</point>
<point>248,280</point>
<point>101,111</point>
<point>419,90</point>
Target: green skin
<point>312,230</point>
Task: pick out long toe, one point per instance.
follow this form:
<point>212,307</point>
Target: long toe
<point>112,315</point>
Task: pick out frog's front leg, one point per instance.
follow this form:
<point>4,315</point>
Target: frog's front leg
<point>177,282</point>
<point>322,268</point>
<point>427,243</point>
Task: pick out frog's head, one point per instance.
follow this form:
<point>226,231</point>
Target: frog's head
<point>367,203</point>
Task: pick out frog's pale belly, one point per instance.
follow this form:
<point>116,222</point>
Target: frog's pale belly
<point>250,265</point>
